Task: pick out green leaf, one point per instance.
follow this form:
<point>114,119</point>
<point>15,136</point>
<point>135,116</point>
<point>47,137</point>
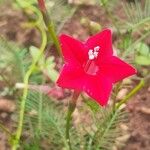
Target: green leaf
<point>23,3</point>
<point>92,105</point>
<point>50,67</point>
<point>34,51</point>
<point>142,48</point>
<point>142,60</point>
<point>53,74</point>
<point>48,64</point>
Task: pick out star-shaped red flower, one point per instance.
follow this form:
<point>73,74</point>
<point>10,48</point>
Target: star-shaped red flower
<point>91,66</point>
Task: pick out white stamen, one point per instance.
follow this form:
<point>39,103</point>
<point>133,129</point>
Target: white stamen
<point>90,52</point>
<point>94,53</point>
<point>97,48</point>
<point>91,57</point>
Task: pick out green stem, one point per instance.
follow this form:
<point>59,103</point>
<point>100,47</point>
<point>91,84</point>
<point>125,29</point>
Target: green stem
<point>135,26</point>
<point>25,91</point>
<point>40,109</point>
<point>50,27</point>
<point>133,92</point>
<point>69,118</point>
<point>40,113</point>
<point>32,8</point>
<point>52,32</point>
<point>114,97</point>
<point>71,108</point>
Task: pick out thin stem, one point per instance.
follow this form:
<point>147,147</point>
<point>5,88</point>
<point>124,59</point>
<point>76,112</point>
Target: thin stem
<point>71,108</point>
<point>69,118</point>
<point>25,91</point>
<point>106,130</point>
<point>6,81</point>
<point>116,90</point>
<point>131,47</point>
<point>6,130</point>
<point>40,109</point>
<point>40,113</point>
<point>41,4</point>
<point>50,26</point>
<point>52,32</point>
<point>135,26</point>
<point>133,92</point>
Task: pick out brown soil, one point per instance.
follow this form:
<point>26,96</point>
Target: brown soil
<point>11,27</point>
<point>138,107</point>
<point>139,121</point>
<point>93,13</point>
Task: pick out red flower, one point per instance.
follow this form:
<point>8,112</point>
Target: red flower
<point>91,66</point>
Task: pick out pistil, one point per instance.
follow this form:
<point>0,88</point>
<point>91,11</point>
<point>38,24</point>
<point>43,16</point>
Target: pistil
<point>90,67</point>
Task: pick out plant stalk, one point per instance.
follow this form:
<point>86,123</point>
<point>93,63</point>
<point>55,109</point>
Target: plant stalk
<point>50,26</point>
<point>71,108</point>
<point>25,91</point>
<point>133,92</point>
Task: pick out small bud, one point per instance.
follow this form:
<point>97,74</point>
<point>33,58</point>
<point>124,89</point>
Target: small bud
<point>41,4</point>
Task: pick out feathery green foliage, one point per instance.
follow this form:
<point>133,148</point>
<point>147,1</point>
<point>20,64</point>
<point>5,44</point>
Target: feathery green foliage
<point>137,14</point>
<point>44,118</point>
<point>59,11</point>
<point>105,128</point>
<point>14,63</point>
<point>13,60</point>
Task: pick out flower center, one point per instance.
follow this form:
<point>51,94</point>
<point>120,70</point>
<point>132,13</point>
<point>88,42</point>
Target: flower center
<point>93,53</point>
<point>90,66</point>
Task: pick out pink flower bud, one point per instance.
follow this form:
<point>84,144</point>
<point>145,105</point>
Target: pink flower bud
<point>41,4</point>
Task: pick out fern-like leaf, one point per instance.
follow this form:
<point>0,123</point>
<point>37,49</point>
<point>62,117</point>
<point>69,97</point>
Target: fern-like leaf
<point>136,14</point>
<point>44,119</point>
<point>107,129</point>
<point>13,60</point>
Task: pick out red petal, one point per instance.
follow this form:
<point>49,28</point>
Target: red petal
<point>116,69</point>
<point>71,77</point>
<point>99,88</point>
<point>73,50</point>
<point>104,40</point>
